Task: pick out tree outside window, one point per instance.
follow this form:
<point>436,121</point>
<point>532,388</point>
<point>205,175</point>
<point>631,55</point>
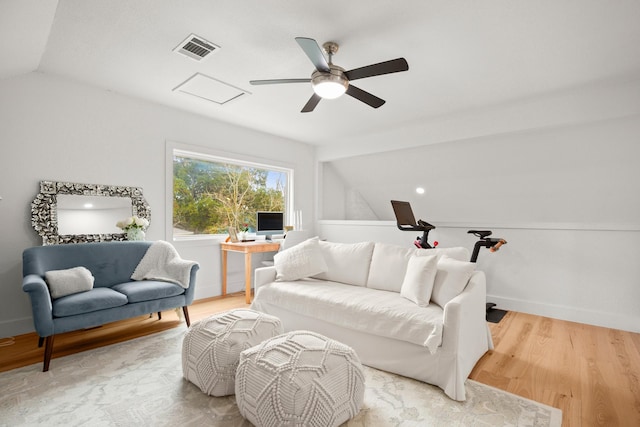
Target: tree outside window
<point>210,196</point>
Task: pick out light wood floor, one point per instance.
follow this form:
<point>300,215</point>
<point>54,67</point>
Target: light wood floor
<point>591,373</point>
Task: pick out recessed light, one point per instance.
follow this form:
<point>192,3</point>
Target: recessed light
<point>420,190</point>
<point>88,205</point>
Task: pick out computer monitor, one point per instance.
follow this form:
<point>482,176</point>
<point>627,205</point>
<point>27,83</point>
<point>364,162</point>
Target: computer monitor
<point>269,223</point>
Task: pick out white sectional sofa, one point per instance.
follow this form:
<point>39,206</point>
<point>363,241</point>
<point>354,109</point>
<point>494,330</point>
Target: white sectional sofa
<point>419,313</point>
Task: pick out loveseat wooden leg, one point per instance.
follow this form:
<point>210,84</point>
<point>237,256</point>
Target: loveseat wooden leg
<point>186,315</point>
<point>40,341</point>
<point>48,349</point>
<point>159,315</point>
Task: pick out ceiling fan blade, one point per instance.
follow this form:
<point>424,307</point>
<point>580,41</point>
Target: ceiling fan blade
<point>311,104</point>
<point>314,52</point>
<point>387,67</point>
<point>365,97</point>
<point>278,81</point>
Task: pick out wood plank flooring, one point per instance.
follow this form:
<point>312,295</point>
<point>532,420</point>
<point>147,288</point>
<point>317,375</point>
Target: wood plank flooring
<point>591,373</point>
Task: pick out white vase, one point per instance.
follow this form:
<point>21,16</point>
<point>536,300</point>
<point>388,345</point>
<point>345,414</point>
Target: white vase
<point>242,236</point>
<point>135,234</point>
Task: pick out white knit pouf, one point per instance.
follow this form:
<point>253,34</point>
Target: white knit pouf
<point>299,379</point>
<point>211,348</point>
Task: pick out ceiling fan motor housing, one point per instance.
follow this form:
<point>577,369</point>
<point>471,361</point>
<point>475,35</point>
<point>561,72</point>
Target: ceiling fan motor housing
<point>330,85</point>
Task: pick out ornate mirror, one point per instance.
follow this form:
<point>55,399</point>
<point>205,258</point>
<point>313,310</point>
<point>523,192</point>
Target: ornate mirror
<point>66,212</point>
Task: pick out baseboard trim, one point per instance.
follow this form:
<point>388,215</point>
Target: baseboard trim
<point>571,314</point>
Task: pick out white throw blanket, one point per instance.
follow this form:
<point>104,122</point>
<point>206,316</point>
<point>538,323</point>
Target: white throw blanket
<point>162,262</point>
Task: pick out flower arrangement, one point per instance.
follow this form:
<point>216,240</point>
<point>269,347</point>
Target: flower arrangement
<point>134,222</point>
<point>134,227</point>
<point>244,228</point>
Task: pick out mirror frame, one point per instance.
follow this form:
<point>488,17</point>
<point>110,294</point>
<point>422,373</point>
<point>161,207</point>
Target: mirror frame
<point>44,210</point>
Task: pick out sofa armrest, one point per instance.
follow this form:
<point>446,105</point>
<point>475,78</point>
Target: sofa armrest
<point>41,306</point>
<point>465,326</point>
<point>190,292</point>
<point>263,276</point>
<point>464,335</point>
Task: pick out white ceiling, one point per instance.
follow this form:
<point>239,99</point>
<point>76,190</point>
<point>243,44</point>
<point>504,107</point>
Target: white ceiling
<point>463,54</point>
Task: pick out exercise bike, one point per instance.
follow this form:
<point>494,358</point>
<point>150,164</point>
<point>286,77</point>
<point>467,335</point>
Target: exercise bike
<point>406,221</point>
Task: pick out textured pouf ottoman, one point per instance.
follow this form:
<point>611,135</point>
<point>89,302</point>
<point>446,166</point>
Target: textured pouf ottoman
<point>299,379</point>
<point>211,348</point>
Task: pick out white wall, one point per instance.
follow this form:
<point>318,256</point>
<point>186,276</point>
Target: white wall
<point>599,101</point>
<point>55,129</point>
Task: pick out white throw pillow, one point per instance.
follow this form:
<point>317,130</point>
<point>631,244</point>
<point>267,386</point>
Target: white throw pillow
<point>70,281</point>
<point>419,278</point>
<point>451,279</point>
<point>389,266</point>
<point>346,262</point>
<point>302,260</point>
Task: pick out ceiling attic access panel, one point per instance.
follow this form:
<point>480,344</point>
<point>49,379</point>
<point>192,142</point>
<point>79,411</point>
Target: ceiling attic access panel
<point>210,89</point>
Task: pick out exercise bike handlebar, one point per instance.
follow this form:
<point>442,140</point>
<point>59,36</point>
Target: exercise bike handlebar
<point>421,226</point>
<point>493,244</point>
<point>497,245</point>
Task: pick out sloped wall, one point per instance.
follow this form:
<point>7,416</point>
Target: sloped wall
<point>584,175</point>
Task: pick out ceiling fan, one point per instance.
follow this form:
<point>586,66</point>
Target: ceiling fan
<point>330,81</point>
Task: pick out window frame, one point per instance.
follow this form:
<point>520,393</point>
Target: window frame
<point>211,155</point>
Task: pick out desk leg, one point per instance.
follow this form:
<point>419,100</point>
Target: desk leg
<point>224,272</point>
<point>247,277</point>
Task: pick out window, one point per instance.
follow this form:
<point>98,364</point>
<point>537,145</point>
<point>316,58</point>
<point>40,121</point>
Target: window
<point>211,194</point>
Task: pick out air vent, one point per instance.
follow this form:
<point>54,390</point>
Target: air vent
<point>196,47</point>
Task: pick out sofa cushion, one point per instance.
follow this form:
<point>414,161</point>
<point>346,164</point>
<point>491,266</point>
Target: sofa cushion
<point>302,260</point>
<point>147,290</point>
<point>451,279</point>
<point>109,262</point>
<point>418,280</point>
<point>389,265</point>
<point>68,281</point>
<point>346,262</point>
<point>85,302</point>
<point>359,308</point>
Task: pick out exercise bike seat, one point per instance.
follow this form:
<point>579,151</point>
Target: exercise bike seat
<point>482,234</point>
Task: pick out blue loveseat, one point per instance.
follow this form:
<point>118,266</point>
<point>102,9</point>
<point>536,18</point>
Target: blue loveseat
<point>114,296</point>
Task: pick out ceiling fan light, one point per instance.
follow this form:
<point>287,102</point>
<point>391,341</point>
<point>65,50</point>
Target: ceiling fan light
<point>329,89</point>
<point>329,85</point>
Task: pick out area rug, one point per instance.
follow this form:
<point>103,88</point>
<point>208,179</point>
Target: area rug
<point>139,383</point>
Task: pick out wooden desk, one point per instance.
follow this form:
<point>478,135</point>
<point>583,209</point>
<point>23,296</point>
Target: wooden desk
<point>247,248</point>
